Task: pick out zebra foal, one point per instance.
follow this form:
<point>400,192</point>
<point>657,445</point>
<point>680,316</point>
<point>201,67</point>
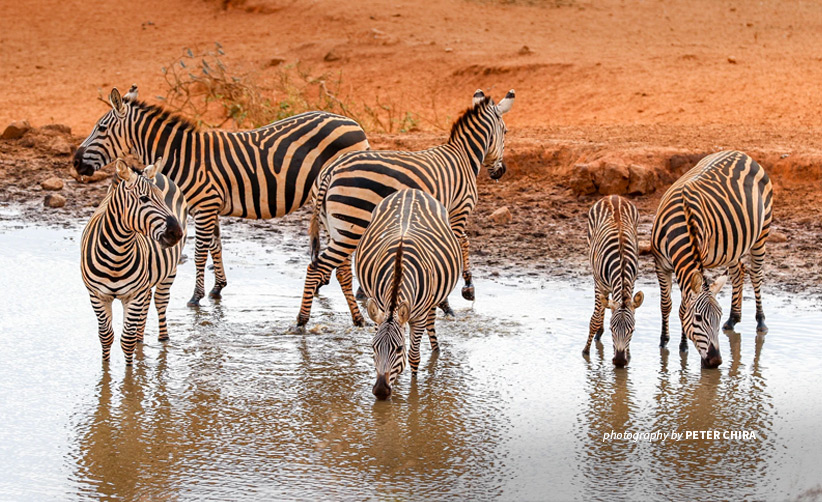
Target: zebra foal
<point>131,244</point>
<point>259,174</point>
<point>407,262</point>
<point>612,245</point>
<point>356,183</point>
<point>713,216</point>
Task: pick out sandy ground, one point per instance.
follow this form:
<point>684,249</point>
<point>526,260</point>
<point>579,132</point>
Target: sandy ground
<point>601,87</point>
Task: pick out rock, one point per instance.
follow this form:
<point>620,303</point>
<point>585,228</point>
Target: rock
<point>16,129</point>
<point>731,59</point>
<point>54,200</point>
<point>582,181</point>
<point>60,146</point>
<point>525,51</point>
<point>611,178</point>
<point>54,183</point>
<point>777,237</point>
<point>501,216</point>
<point>641,180</point>
<point>276,61</point>
<point>331,56</point>
<point>61,128</point>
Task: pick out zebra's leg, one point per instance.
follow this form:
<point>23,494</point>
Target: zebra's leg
<point>141,323</point>
<point>595,327</point>
<point>432,332</point>
<point>132,312</point>
<point>683,343</point>
<point>757,261</point>
<point>318,273</point>
<point>446,308</point>
<point>345,278</point>
<point>360,296</point>
<point>205,222</point>
<point>417,329</point>
<point>102,309</point>
<point>468,289</point>
<point>664,278</point>
<point>216,251</point>
<point>161,297</point>
<point>737,273</point>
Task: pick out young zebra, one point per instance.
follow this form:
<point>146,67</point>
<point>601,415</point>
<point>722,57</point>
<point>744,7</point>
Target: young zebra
<point>408,261</point>
<point>259,174</point>
<point>353,185</point>
<point>131,244</point>
<point>612,241</point>
<point>713,216</point>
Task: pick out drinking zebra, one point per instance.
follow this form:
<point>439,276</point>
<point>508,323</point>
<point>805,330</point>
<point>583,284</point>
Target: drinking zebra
<point>131,244</point>
<point>612,241</point>
<point>353,185</point>
<point>713,216</point>
<point>258,174</point>
<point>408,261</point>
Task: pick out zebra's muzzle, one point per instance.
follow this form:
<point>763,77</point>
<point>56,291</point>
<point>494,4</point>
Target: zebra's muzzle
<point>712,359</point>
<point>83,168</point>
<point>620,359</point>
<point>173,233</point>
<point>498,172</point>
<point>381,389</point>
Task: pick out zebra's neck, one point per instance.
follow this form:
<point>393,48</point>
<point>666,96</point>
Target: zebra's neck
<point>472,137</point>
<point>115,238</point>
<point>156,133</point>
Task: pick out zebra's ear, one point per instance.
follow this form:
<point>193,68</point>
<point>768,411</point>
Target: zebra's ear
<point>478,97</point>
<point>151,171</point>
<point>718,284</point>
<point>124,172</point>
<point>117,103</point>
<point>131,95</point>
<point>638,298</point>
<point>696,283</point>
<point>374,311</point>
<point>507,102</point>
<point>402,313</point>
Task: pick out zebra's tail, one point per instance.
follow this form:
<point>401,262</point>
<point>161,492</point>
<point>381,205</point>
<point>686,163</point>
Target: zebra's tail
<point>314,224</point>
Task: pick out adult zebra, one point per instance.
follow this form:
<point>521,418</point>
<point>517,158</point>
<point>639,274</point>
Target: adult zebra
<point>408,261</point>
<point>713,216</point>
<point>131,244</point>
<point>258,174</point>
<point>612,251</point>
<point>353,185</point>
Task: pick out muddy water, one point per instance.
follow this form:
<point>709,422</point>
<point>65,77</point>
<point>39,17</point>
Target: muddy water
<point>238,406</point>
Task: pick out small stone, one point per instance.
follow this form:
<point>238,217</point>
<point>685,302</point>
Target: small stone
<point>777,237</point>
<point>525,51</point>
<point>331,56</point>
<point>16,129</point>
<point>54,200</point>
<point>54,183</point>
<point>731,59</point>
<point>448,49</point>
<point>276,61</point>
<point>60,146</point>
<point>501,216</point>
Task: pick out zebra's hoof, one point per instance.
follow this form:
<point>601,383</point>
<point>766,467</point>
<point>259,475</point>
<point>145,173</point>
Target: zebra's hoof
<point>468,293</point>
<point>599,333</point>
<point>162,338</point>
<point>683,348</point>
<point>215,294</point>
<point>761,328</point>
<point>359,321</point>
<point>194,302</point>
<point>730,323</point>
<point>663,341</point>
<point>302,321</point>
<point>446,309</point>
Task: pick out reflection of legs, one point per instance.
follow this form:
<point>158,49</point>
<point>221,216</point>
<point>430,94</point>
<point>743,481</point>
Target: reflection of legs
<point>468,289</point>
<point>417,329</point>
<point>737,274</point>
<point>216,251</point>
<point>595,328</point>
<point>664,278</point>
<point>102,308</point>
<point>205,222</point>
<point>132,312</point>
<point>161,296</point>
<point>757,260</point>
<point>432,333</point>
<point>345,278</point>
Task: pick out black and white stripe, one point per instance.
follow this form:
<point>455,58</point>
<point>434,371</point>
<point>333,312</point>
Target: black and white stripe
<point>612,250</point>
<point>407,262</point>
<point>713,216</point>
<point>354,184</point>
<point>259,174</point>
<point>132,244</point>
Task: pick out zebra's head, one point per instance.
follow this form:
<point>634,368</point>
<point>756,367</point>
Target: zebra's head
<point>701,319</point>
<point>109,139</point>
<point>622,327</point>
<point>388,345</point>
<point>493,160</point>
<point>141,204</point>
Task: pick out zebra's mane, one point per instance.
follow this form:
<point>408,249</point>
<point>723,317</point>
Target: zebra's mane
<point>395,288</point>
<point>165,115</point>
<point>468,115</point>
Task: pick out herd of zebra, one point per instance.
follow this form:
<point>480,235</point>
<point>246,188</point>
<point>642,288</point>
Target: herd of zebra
<point>403,215</point>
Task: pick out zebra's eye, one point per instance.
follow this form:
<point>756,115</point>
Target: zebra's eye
<point>398,351</point>
<point>102,128</point>
<point>144,198</point>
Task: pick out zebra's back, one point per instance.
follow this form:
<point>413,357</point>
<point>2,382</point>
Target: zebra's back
<point>612,241</point>
<point>430,252</point>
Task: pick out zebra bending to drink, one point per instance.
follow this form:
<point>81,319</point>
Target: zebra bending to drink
<point>407,262</point>
<point>131,244</point>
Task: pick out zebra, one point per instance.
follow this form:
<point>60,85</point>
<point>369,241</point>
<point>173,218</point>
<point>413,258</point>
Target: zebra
<point>131,244</point>
<point>613,253</point>
<point>258,174</point>
<point>713,216</point>
<point>407,262</point>
<point>354,184</point>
